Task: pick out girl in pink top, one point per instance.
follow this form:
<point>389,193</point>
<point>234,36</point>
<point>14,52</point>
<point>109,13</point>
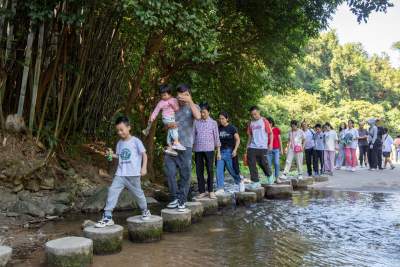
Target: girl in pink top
<point>168,105</point>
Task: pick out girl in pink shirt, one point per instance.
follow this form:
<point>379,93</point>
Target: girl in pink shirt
<point>168,105</point>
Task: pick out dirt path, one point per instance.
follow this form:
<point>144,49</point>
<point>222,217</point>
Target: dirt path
<point>363,180</point>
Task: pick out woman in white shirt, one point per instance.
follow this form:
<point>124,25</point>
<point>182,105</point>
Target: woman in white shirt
<point>294,149</point>
<point>387,148</point>
<point>350,146</point>
<point>331,139</point>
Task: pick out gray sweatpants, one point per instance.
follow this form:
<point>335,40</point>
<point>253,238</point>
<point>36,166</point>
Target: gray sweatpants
<point>132,183</point>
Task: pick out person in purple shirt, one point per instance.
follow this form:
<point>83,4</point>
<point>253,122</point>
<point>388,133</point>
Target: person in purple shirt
<point>206,141</point>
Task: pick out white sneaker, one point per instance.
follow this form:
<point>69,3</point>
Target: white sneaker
<point>283,177</point>
<point>146,215</point>
<point>179,147</point>
<point>220,192</point>
<point>171,152</point>
<point>242,188</point>
<point>104,222</point>
<point>353,169</point>
<point>181,207</point>
<point>173,205</point>
<point>300,177</point>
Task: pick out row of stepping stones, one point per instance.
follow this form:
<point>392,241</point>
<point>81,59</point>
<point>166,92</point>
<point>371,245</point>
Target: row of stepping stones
<point>78,251</point>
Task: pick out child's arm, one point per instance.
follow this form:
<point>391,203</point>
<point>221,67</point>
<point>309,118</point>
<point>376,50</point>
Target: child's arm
<point>217,141</point>
<point>156,111</point>
<point>143,171</point>
<point>173,102</point>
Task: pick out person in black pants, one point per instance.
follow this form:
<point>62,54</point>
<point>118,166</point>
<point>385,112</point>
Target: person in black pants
<point>319,141</point>
<point>363,144</point>
<point>379,141</point>
<point>309,149</point>
<point>373,145</point>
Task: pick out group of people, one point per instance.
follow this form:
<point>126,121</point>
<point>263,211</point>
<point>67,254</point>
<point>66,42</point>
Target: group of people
<point>191,129</point>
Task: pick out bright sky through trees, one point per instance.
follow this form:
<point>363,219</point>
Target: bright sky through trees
<point>376,36</point>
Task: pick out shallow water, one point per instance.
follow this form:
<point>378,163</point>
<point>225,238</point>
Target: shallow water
<point>320,228</point>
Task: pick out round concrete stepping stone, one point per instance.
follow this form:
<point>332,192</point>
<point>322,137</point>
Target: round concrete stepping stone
<point>278,191</point>
<point>145,231</point>
<point>197,210</point>
<point>224,199</point>
<point>106,240</point>
<point>176,221</point>
<point>302,184</point>
<point>5,255</point>
<point>210,205</point>
<point>246,198</point>
<point>69,251</point>
<point>320,179</point>
<point>260,192</point>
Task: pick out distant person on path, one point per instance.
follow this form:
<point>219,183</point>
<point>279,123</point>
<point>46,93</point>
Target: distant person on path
<point>397,148</point>
<point>186,115</point>
<point>230,141</point>
<point>331,141</point>
<point>309,149</point>
<point>319,141</point>
<point>277,149</point>
<point>373,145</point>
<point>295,149</point>
<point>350,147</point>
<point>363,144</point>
<point>168,105</point>
<point>206,142</point>
<point>341,154</point>
<point>379,141</point>
<point>387,148</point>
<point>132,164</point>
<point>259,133</point>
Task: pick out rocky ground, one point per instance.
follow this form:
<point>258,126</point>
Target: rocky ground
<point>34,191</point>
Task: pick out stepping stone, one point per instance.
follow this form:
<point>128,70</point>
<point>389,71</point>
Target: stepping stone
<point>145,231</point>
<point>246,198</point>
<point>302,184</point>
<point>278,191</point>
<point>5,255</point>
<point>197,210</point>
<point>69,251</point>
<point>320,179</point>
<point>176,221</point>
<point>260,192</point>
<point>210,205</point>
<point>107,240</point>
<point>224,199</point>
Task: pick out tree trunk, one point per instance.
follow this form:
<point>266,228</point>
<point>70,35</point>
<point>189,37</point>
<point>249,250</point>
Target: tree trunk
<point>10,32</point>
<point>27,64</point>
<point>153,44</point>
<point>37,77</point>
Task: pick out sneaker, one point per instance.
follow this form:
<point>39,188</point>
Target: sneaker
<point>242,188</point>
<point>278,181</point>
<point>220,192</point>
<point>212,195</point>
<point>255,185</point>
<point>236,188</point>
<point>300,177</point>
<point>104,222</point>
<point>146,215</point>
<point>353,169</point>
<point>173,205</point>
<point>271,179</point>
<point>372,169</point>
<point>283,177</point>
<point>181,207</point>
<point>179,147</point>
<point>171,152</point>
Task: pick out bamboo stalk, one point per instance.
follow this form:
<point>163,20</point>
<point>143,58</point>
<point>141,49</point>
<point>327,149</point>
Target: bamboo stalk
<point>10,32</point>
<point>37,76</point>
<point>27,64</point>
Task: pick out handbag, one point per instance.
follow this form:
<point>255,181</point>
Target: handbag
<point>296,148</point>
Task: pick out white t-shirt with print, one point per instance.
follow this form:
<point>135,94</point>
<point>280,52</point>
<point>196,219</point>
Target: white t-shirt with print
<point>387,143</point>
<point>354,133</point>
<point>296,138</point>
<point>331,138</point>
<point>129,157</point>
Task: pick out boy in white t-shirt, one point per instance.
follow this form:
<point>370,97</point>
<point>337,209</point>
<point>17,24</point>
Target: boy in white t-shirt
<point>132,164</point>
<point>387,148</point>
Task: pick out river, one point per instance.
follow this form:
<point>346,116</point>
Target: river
<point>316,228</point>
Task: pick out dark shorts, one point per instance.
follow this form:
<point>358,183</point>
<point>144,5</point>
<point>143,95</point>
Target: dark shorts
<point>386,154</point>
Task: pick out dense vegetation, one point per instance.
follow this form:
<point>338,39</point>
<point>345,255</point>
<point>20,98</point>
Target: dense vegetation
<point>334,83</point>
<point>69,67</point>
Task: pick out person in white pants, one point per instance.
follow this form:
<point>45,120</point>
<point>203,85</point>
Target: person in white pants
<point>295,148</point>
